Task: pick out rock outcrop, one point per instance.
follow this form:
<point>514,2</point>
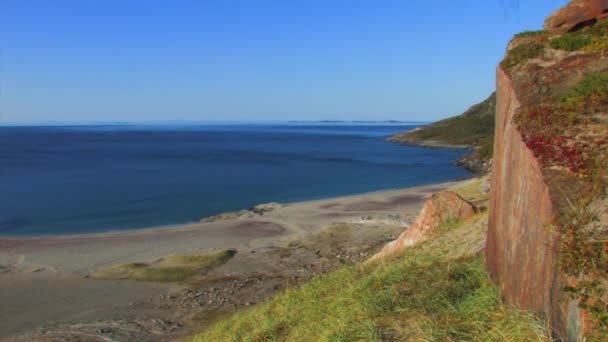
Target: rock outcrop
<point>442,207</point>
<point>534,181</point>
<point>575,15</point>
<point>521,252</point>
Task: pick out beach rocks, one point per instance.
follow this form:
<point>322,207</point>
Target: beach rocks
<point>442,207</point>
<point>255,211</point>
<point>260,209</point>
<point>475,163</point>
<point>136,329</point>
<point>575,15</point>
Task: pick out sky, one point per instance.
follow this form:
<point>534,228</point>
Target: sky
<point>165,60</point>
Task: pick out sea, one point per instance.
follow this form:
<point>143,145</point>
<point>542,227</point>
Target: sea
<point>58,180</point>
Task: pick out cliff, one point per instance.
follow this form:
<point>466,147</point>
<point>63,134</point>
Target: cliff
<point>545,247</point>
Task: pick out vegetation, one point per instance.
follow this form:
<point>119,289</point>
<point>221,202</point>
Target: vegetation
<point>522,53</point>
<point>527,34</point>
<point>560,133</point>
<point>475,127</point>
<point>437,290</point>
<point>589,39</point>
<point>570,42</point>
<point>532,44</point>
<point>471,191</point>
<point>173,268</point>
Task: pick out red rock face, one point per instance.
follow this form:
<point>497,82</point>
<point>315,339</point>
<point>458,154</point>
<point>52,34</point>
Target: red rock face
<point>575,14</point>
<point>441,207</point>
<point>521,250</point>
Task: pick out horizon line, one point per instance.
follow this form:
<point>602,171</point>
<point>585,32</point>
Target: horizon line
<point>194,122</point>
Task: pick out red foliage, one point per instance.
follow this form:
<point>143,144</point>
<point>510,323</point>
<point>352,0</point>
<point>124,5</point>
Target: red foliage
<point>557,151</point>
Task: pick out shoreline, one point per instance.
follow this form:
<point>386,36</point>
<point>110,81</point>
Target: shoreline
<point>193,223</point>
<point>276,250</point>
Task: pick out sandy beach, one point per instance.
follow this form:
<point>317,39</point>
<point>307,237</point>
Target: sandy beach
<point>47,289</point>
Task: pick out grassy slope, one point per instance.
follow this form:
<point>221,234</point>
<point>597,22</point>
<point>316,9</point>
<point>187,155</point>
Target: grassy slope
<point>437,290</point>
<point>475,127</point>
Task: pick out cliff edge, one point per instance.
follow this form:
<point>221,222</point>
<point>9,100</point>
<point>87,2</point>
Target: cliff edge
<point>546,244</point>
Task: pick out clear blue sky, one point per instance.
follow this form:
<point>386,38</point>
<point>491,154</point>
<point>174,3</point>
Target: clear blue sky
<point>146,60</point>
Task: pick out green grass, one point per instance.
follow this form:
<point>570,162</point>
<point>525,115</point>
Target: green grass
<point>173,268</point>
<point>434,291</point>
<point>526,34</point>
<point>588,96</point>
<point>486,147</point>
<point>458,130</point>
<point>522,53</point>
<point>570,42</point>
<point>475,127</point>
<point>590,39</point>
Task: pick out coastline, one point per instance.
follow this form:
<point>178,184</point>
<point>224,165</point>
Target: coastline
<point>277,249</point>
<point>472,161</point>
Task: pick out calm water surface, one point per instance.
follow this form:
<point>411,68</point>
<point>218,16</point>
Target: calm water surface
<point>81,179</point>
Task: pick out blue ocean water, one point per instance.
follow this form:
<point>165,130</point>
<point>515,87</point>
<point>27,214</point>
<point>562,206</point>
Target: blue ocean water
<point>82,179</point>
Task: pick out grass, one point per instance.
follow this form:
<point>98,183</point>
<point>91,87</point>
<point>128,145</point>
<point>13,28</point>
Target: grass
<point>525,34</point>
<point>570,42</point>
<point>589,96</point>
<point>473,128</point>
<point>522,53</point>
<point>458,130</point>
<point>486,146</point>
<point>173,268</point>
<point>471,190</point>
<point>589,39</point>
<point>438,290</point>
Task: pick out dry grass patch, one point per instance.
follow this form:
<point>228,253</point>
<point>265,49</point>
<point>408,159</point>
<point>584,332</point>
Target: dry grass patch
<point>172,268</point>
<point>472,191</point>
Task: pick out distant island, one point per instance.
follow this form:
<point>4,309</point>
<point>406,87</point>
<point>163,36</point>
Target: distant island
<point>359,121</point>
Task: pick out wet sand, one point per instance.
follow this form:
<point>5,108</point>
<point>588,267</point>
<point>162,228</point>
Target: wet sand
<point>43,280</point>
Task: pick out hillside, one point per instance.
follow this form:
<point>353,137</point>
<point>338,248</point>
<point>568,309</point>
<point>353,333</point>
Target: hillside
<point>543,241</point>
<point>472,129</point>
<point>436,290</point>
